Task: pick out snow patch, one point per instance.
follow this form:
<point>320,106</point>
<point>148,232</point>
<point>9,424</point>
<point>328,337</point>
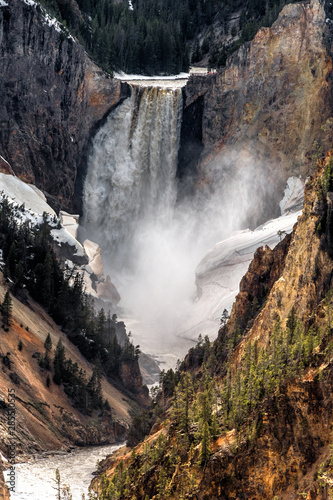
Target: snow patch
<point>293,195</point>
<point>29,205</point>
<point>62,236</point>
<point>173,81</point>
<point>27,194</point>
<point>219,273</point>
<point>3,3</point>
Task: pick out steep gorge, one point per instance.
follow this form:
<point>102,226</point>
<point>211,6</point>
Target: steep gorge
<point>281,449</point>
<point>267,106</point>
<point>262,112</point>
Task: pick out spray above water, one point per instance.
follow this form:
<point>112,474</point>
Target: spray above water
<point>151,242</point>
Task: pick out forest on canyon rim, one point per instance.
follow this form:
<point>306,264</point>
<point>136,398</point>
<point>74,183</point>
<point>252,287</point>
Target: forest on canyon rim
<point>163,37</point>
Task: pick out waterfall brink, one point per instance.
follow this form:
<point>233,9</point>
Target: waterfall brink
<point>132,170</point>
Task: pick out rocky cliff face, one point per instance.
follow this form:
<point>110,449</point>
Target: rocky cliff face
<point>45,417</point>
<point>305,266</point>
<point>291,449</point>
<point>52,97</point>
<point>270,102</point>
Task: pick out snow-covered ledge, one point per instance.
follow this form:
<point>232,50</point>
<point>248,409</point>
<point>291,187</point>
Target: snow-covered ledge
<point>85,258</point>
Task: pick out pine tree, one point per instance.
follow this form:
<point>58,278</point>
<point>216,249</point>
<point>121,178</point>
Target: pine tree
<point>48,342</point>
<point>205,444</point>
<point>59,363</point>
<point>182,399</point>
<point>6,309</point>
<point>101,323</point>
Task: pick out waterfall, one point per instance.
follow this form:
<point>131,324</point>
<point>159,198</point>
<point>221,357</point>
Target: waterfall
<point>132,169</point>
<point>151,241</point>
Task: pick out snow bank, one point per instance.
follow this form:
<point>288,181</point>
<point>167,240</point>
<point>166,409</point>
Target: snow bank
<point>63,237</point>
<point>124,76</point>
<point>245,242</point>
<point>35,205</point>
<point>174,81</point>
<point>219,273</point>
<point>27,194</point>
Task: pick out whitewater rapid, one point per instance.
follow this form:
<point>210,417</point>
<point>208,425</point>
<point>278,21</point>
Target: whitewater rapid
<point>35,479</point>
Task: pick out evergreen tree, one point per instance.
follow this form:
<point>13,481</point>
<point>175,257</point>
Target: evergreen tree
<point>205,444</point>
<point>48,343</point>
<point>59,363</point>
<point>6,309</point>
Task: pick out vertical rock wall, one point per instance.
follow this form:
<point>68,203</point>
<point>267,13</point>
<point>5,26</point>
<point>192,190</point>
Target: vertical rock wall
<point>52,97</point>
<point>271,101</point>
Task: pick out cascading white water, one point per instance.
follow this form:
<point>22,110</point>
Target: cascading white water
<point>132,169</point>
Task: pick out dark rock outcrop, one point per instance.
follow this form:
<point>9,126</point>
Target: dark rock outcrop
<point>52,98</point>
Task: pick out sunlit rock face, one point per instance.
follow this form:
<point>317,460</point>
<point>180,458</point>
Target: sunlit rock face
<point>271,102</point>
<point>70,222</point>
<point>96,284</point>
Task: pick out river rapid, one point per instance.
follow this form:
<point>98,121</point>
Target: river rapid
<point>35,479</point>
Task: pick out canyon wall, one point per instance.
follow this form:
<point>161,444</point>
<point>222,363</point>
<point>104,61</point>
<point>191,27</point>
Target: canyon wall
<point>266,107</point>
<point>52,98</point>
<point>271,101</point>
<point>4,493</point>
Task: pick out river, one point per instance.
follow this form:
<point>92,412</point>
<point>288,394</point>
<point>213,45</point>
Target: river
<point>36,478</point>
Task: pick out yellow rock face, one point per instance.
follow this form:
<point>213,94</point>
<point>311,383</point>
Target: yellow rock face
<point>272,100</point>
